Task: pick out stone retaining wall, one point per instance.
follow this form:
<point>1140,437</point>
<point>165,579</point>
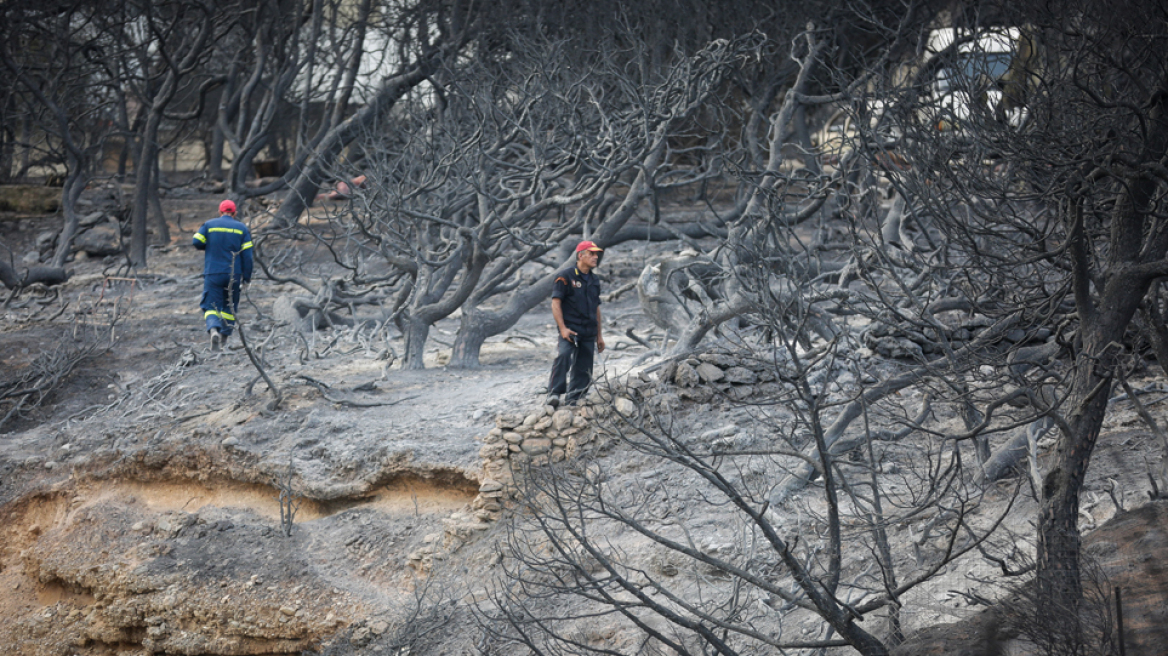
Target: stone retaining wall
<point>701,377</point>
<point>541,437</point>
<point>545,436</point>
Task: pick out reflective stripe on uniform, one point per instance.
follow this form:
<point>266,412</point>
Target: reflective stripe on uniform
<point>222,315</point>
<point>246,245</point>
<point>200,237</point>
<point>231,230</point>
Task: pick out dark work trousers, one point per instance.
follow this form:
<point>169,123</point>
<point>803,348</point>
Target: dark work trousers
<point>576,358</point>
<point>216,309</point>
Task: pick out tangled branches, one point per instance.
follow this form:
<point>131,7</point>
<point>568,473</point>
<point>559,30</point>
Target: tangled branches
<point>48,371</point>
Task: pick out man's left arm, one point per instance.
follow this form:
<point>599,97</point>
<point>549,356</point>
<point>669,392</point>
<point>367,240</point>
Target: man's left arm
<point>245,253</point>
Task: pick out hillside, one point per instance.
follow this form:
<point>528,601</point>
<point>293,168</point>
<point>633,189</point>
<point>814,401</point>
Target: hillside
<point>140,499</point>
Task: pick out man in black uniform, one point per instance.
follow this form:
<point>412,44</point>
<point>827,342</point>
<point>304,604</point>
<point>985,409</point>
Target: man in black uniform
<point>576,308</point>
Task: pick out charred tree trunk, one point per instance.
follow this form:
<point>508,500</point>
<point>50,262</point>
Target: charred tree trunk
<point>440,302</point>
<point>1059,583</point>
<point>161,229</point>
<point>472,333</point>
<point>477,324</point>
<point>74,184</point>
<point>144,175</point>
<point>215,154</point>
<point>417,331</point>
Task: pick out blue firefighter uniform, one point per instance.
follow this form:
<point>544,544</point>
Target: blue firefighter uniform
<point>227,264</point>
<point>579,295</point>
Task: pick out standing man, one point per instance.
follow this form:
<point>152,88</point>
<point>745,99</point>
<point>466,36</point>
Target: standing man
<point>227,266</point>
<point>576,308</point>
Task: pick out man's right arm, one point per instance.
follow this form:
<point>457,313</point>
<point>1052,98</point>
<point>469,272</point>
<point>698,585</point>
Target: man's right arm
<point>199,241</point>
<point>558,313</point>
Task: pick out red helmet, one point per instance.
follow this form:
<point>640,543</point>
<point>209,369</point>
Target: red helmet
<point>588,246</point>
<point>226,206</point>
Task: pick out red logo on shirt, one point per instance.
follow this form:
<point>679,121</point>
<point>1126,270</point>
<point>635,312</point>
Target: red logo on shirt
<point>577,284</point>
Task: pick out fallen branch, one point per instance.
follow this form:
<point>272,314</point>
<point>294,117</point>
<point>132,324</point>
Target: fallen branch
<point>45,374</point>
<point>631,335</point>
<point>38,274</point>
<point>617,293</point>
<point>277,395</point>
<point>321,387</point>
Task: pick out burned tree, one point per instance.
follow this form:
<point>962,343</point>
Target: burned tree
<point>705,549</point>
<point>169,48</point>
<point>54,55</point>
<point>1037,197</point>
<point>499,167</point>
<point>421,36</point>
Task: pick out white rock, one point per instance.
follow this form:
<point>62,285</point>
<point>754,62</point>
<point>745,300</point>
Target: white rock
<point>625,407</point>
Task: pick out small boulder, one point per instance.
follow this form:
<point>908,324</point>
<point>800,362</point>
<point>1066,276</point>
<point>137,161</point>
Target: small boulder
<point>536,446</point>
<point>562,419</point>
<point>720,360</point>
<point>625,407</point>
<point>100,240</point>
<point>741,376</point>
<point>686,375</point>
<point>710,373</point>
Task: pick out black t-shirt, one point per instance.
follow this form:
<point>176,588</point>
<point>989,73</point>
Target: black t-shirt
<point>579,295</point>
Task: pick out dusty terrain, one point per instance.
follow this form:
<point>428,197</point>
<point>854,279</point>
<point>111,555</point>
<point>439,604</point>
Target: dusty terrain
<point>140,499</point>
<point>140,506</point>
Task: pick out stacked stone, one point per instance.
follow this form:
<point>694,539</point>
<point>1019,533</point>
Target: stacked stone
<point>704,376</point>
<point>545,436</point>
<point>906,341</point>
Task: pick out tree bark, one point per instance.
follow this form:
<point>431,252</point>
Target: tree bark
<point>74,184</point>
<point>44,275</point>
<point>215,154</point>
<point>477,325</point>
<point>1058,555</point>
<point>143,174</point>
<point>161,229</point>
<point>417,330</point>
<point>473,331</point>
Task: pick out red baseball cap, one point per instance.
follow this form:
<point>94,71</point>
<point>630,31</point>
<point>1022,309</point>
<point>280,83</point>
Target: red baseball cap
<point>588,246</point>
<point>226,206</point>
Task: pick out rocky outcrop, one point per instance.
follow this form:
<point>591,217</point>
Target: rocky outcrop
<point>99,240</point>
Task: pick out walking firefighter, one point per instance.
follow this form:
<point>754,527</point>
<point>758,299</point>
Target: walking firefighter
<point>227,266</point>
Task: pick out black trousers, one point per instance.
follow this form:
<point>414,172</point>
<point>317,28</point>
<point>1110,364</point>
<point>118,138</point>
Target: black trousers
<point>575,359</point>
